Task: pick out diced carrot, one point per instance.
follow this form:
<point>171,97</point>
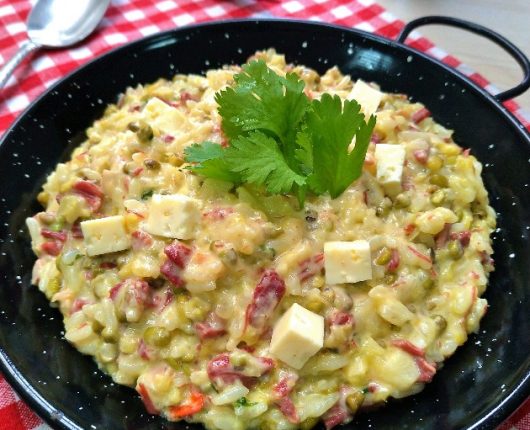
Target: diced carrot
<point>193,405</point>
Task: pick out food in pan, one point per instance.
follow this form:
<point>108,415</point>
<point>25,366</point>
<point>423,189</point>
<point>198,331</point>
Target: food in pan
<point>264,246</point>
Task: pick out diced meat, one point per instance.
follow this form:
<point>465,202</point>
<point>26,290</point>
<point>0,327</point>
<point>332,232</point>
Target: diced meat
<point>172,273</point>
<point>136,172</point>
<point>407,181</point>
<point>108,265</point>
<point>185,96</point>
<point>178,256</point>
<point>442,237</point>
<point>144,394</point>
<point>52,248</point>
<point>115,290</point>
<point>178,253</point>
<point>393,264</point>
<point>55,235</point>
<point>335,416</point>
<point>341,318</point>
<point>285,385</point>
<point>420,115</point>
<point>161,299</point>
<point>219,366</point>
<point>131,297</point>
<point>141,239</point>
<point>409,347</point>
<point>143,350</point>
<point>463,237</point>
<point>218,214</point>
<point>427,370</point>
<point>221,369</point>
<point>77,305</point>
<point>266,297</point>
<point>311,267</point>
<point>419,254</point>
<point>77,233</point>
<point>90,192</point>
<point>212,327</point>
<point>288,409</point>
<point>421,155</point>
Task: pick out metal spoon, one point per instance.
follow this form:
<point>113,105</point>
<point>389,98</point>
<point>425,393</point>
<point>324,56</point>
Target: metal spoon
<point>56,24</point>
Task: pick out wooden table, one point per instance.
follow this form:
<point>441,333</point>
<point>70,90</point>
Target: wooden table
<point>511,18</point>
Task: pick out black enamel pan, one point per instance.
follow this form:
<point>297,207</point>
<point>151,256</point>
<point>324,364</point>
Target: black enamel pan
<point>479,386</point>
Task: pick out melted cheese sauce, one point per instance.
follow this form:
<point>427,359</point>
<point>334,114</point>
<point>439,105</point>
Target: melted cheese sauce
<point>188,323</point>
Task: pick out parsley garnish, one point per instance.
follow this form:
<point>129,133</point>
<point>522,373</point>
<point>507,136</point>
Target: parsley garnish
<point>242,402</point>
<point>147,194</point>
<point>276,133</point>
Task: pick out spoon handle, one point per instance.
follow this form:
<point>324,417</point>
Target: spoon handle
<point>7,70</point>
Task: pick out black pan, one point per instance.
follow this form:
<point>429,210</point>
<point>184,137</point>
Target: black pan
<point>478,387</point>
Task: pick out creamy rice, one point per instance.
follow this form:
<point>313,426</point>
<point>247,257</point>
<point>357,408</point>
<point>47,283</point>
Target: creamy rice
<point>185,316</point>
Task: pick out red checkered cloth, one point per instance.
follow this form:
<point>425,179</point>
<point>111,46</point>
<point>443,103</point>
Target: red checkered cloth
<point>128,20</point>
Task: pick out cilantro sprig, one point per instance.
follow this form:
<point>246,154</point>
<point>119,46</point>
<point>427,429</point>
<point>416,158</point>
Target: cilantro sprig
<point>283,141</point>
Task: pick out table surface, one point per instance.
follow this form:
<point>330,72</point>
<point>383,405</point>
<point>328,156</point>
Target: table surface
<point>510,18</point>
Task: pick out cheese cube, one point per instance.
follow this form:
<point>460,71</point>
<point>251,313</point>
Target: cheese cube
<point>297,336</point>
<point>173,215</point>
<point>368,97</point>
<point>347,262</point>
<point>162,116</point>
<point>389,161</point>
<point>105,235</point>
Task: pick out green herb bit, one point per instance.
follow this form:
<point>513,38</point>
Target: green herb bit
<point>243,402</point>
<point>147,194</point>
<point>276,133</point>
<point>332,126</point>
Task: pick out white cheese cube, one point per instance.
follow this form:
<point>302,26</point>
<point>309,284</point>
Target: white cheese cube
<point>173,215</point>
<point>368,97</point>
<point>162,116</point>
<point>389,161</point>
<point>297,336</point>
<point>347,262</point>
<point>105,235</point>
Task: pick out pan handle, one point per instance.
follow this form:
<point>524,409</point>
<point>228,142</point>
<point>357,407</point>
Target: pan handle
<point>495,37</point>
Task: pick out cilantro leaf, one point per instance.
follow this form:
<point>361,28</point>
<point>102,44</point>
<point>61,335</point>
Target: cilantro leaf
<point>281,140</point>
<point>258,159</point>
<point>209,157</point>
<point>304,151</point>
<point>265,101</point>
<point>332,125</point>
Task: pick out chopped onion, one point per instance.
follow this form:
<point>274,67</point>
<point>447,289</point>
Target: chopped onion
<point>315,405</point>
<point>230,394</point>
